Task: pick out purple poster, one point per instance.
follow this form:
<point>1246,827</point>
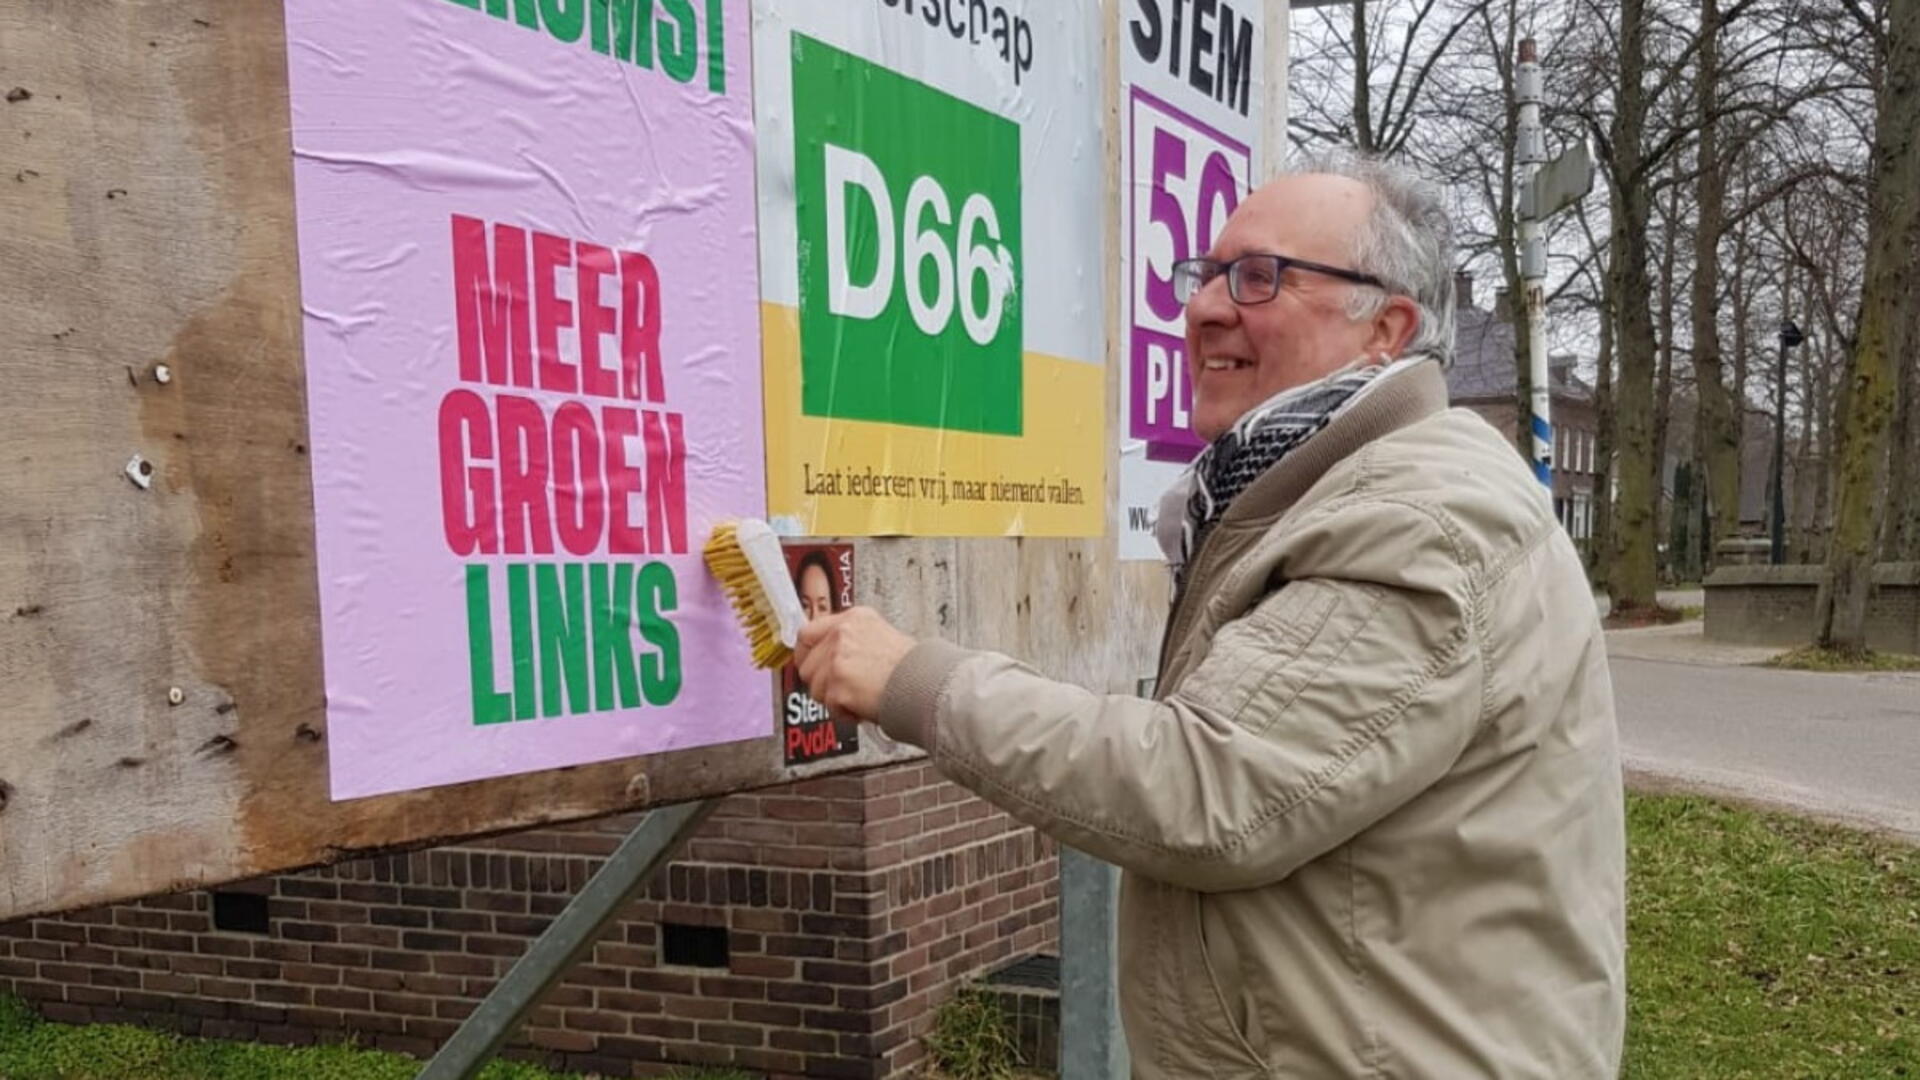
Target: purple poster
<point>528,272</point>
<point>1189,146</point>
<point>1195,177</point>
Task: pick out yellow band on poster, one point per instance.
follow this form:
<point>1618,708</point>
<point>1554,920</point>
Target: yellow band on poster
<point>857,478</point>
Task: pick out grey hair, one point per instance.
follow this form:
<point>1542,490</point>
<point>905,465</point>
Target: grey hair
<point>1406,241</point>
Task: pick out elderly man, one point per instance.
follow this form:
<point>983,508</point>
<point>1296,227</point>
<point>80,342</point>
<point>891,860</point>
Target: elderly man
<point>1372,826</point>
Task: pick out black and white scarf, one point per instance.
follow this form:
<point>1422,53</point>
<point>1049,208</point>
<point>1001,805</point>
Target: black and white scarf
<point>1257,441</point>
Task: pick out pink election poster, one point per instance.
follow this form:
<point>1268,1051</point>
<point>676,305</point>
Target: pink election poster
<point>528,271</point>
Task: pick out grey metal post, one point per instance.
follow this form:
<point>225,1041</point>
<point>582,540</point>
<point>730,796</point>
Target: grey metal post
<point>1790,336</point>
<point>1777,515</point>
<point>1530,155</point>
<point>575,930</point>
<point>1092,1046</point>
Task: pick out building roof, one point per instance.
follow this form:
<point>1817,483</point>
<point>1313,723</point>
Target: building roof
<point>1483,348</point>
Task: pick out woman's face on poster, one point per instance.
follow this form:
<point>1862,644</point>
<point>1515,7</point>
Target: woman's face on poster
<point>816,592</point>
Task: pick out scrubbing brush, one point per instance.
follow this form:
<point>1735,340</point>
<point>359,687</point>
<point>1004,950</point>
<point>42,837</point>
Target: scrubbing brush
<point>745,557</point>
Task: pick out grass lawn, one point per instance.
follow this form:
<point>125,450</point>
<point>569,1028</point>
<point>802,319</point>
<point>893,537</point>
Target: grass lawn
<point>1814,658</point>
<point>1767,946</point>
<point>1760,946</point>
<point>34,1050</point>
<point>31,1049</point>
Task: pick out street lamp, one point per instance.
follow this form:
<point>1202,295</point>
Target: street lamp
<point>1790,336</point>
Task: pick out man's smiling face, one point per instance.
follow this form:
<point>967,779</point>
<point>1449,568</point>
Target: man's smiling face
<point>1242,354</point>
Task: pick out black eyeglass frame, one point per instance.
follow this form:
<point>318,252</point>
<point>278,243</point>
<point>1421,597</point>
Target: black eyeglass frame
<point>1280,263</point>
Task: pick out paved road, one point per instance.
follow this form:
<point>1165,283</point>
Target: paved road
<point>1838,746</point>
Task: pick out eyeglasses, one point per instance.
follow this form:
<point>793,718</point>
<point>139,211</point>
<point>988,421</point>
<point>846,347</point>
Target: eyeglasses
<point>1252,279</point>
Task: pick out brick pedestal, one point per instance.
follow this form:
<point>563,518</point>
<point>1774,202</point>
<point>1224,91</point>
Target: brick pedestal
<point>808,930</point>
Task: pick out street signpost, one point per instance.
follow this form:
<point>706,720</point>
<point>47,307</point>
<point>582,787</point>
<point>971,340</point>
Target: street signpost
<point>1559,183</point>
<point>1546,187</point>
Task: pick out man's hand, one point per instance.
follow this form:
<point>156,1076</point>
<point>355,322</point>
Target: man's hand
<point>846,660</point>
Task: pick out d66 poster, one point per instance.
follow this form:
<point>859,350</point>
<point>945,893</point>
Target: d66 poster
<point>933,266</point>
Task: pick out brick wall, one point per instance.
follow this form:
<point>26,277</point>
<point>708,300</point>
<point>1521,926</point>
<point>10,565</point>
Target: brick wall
<point>1775,605</point>
<point>1893,615</point>
<point>849,906</point>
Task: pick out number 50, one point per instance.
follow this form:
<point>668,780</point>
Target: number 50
<point>1217,189</point>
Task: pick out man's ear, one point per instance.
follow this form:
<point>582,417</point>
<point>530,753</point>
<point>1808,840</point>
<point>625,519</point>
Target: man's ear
<point>1393,327</point>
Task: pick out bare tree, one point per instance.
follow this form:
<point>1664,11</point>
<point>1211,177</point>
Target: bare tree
<point>1670,239</point>
<point>1632,579</point>
<point>1418,36</point>
<point>1601,552</point>
<point>1885,307</point>
<point>1736,138</point>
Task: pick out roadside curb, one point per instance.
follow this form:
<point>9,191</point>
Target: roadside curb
<point>1645,776</point>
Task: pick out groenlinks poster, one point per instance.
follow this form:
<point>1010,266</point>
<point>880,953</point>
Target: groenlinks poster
<point>932,265</point>
<point>1192,76</point>
<point>823,577</point>
<point>528,270</point>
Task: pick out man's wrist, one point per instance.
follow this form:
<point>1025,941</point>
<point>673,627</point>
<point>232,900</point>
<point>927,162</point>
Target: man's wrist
<point>909,706</point>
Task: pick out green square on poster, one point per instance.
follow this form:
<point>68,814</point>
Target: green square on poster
<point>908,216</point>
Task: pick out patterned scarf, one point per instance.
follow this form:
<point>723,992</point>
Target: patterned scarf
<point>1257,441</point>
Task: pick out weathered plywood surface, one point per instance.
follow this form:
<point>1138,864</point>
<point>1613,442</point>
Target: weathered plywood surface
<point>146,219</point>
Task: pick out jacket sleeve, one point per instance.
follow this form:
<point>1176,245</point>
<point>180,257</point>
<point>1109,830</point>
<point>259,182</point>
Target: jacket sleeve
<point>1321,711</point>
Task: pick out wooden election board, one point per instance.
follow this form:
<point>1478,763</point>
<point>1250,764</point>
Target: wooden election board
<point>162,713</point>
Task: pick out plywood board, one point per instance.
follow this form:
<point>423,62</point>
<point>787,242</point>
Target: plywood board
<point>163,722</point>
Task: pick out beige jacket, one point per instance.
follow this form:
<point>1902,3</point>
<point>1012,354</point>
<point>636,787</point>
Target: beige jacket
<point>1373,825</point>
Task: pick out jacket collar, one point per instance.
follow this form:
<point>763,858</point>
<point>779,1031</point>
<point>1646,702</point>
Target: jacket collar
<point>1389,405</point>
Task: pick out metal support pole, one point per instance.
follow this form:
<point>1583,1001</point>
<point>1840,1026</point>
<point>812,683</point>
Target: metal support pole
<point>1273,108</point>
<point>575,930</point>
<point>1092,1045</point>
<point>1531,154</point>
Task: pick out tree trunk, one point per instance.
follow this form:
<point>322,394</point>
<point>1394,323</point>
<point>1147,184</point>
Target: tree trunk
<point>1663,326</point>
<point>1602,552</point>
<point>1897,539</point>
<point>1899,477</point>
<point>1828,406</point>
<point>1663,380</point>
<point>1909,549</point>
<point>1806,471</point>
<point>1363,137</point>
<point>1719,440</point>
<point>1885,302</point>
<point>1680,527</point>
<point>1742,298</point>
<point>1633,579</point>
<point>1506,238</point>
<point>1522,322</point>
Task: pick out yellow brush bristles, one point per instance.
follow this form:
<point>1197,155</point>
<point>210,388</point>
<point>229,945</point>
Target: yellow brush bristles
<point>729,566</point>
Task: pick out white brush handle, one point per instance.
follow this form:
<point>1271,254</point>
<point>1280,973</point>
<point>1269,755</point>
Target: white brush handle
<point>761,545</point>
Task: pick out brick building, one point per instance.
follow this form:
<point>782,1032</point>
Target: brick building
<point>808,930</point>
<point>1483,379</point>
